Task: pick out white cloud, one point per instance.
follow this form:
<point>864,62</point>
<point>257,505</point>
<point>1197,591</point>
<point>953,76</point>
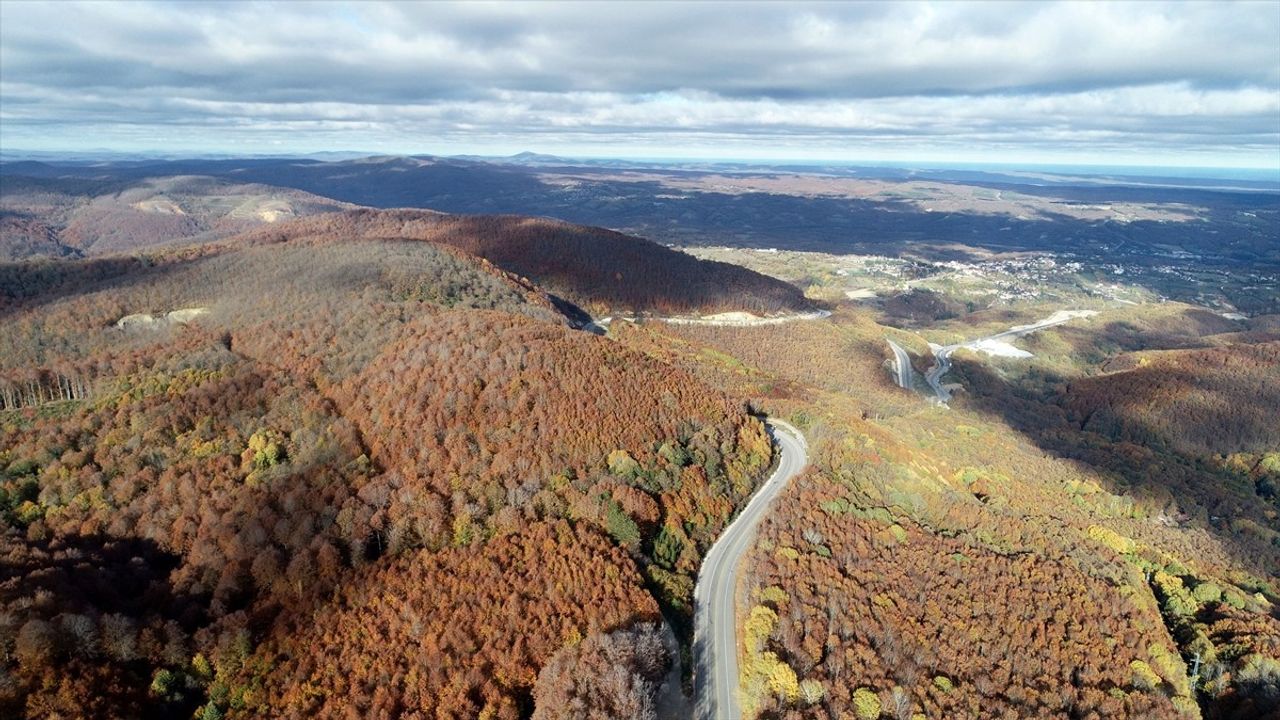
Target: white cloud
<point>1200,78</point>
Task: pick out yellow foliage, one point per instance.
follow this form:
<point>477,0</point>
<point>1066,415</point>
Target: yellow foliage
<point>1144,678</point>
<point>782,679</point>
<point>758,627</point>
<point>1186,706</point>
<point>773,594</point>
<point>622,464</point>
<point>763,669</point>
<point>1112,539</point>
<point>571,637</point>
<point>462,532</point>
<point>1177,601</point>
<point>1170,667</point>
<point>28,512</point>
<point>201,450</point>
<point>866,704</point>
<point>201,668</point>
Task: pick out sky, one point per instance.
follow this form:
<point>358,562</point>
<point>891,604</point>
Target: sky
<point>1148,83</point>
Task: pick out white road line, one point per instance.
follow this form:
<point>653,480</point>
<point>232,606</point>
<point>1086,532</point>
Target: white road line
<point>715,631</point>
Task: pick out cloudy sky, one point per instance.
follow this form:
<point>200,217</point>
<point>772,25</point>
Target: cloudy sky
<point>1111,83</point>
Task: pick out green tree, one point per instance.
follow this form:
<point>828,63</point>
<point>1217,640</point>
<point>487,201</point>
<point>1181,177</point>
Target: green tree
<point>162,683</point>
<point>667,548</point>
<point>620,526</point>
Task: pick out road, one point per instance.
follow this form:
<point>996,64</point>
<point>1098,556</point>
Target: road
<point>941,364</point>
<point>715,635</point>
<point>942,353</point>
<point>728,319</point>
<point>903,363</point>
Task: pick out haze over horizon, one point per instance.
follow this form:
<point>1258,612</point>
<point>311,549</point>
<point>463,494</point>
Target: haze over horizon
<point>1182,85</point>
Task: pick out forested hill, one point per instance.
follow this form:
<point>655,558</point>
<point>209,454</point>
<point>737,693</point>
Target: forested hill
<point>372,478</point>
<point>1203,401</point>
<point>598,269</point>
<point>603,271</point>
<point>87,216</point>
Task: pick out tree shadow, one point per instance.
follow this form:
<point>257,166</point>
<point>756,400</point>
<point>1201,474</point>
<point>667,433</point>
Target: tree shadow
<point>1136,458</point>
<point>93,617</point>
<point>99,574</point>
<point>31,284</point>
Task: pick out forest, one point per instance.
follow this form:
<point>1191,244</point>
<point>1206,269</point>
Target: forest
<point>309,481</point>
<point>365,464</point>
<point>600,270</point>
<point>991,560</point>
<point>79,217</point>
<point>1215,400</point>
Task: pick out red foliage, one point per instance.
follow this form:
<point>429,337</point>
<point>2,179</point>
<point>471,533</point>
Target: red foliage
<point>591,266</point>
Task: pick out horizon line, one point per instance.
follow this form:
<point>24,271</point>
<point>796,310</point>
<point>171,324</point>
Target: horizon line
<point>725,159</point>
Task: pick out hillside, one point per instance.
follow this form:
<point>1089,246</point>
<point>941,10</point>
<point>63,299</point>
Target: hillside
<point>598,269</point>
<point>265,442</point>
<point>990,559</point>
<point>361,463</point>
<point>830,208</point>
<point>1210,401</point>
<point>66,216</point>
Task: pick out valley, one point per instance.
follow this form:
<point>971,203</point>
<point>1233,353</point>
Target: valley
<point>546,360</point>
<point>335,444</point>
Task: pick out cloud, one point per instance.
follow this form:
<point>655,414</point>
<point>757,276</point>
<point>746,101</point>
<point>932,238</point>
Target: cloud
<point>1201,79</point>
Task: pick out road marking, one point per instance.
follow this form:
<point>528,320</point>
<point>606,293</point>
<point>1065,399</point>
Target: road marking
<point>715,632</point>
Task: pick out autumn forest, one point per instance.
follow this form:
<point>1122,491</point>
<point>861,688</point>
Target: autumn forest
<point>383,464</point>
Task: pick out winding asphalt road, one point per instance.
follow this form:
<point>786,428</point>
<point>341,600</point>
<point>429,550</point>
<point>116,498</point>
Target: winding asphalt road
<point>715,634</point>
<point>942,353</point>
<point>903,362</point>
<point>941,365</point>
